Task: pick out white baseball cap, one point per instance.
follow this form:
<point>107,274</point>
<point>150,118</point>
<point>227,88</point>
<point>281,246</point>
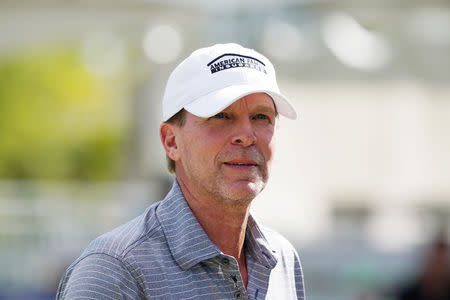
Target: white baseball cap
<point>212,78</point>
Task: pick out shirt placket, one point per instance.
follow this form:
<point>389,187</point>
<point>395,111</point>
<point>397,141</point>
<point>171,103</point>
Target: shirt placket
<point>231,273</point>
<point>258,276</point>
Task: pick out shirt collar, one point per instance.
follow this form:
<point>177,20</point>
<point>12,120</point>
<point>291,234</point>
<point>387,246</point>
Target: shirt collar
<point>258,246</point>
<point>188,242</point>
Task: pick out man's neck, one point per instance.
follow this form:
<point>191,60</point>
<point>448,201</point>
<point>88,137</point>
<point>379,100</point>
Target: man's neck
<point>224,224</point>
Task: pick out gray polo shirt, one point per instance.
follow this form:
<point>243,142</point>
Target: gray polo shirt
<point>165,254</point>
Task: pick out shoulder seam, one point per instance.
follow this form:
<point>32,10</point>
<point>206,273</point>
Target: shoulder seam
<point>136,243</point>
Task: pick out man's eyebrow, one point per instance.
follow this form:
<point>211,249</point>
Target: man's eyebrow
<point>264,109</point>
<point>257,109</point>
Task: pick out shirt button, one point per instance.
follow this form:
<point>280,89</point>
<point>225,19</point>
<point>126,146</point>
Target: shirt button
<point>225,261</point>
<point>237,294</point>
<point>234,278</point>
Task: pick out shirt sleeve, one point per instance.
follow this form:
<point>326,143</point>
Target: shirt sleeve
<point>98,276</point>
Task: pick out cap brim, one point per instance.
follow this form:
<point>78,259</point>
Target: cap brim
<point>214,102</point>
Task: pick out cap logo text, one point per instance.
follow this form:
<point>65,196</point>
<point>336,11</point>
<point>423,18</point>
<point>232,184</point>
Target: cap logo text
<point>231,60</point>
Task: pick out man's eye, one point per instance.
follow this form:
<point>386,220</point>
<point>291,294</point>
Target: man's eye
<point>261,117</point>
<point>219,116</point>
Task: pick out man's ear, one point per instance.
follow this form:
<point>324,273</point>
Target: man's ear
<point>167,133</point>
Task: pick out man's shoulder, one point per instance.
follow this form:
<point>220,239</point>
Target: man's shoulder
<point>106,261</point>
<point>121,240</point>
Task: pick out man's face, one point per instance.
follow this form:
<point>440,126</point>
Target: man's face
<point>227,156</point>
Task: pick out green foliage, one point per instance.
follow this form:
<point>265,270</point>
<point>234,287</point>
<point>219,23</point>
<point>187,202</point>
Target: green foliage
<point>57,120</point>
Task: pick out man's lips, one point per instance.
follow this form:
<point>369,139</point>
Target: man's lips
<point>247,163</point>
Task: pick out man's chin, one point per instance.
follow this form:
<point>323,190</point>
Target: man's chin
<point>243,191</point>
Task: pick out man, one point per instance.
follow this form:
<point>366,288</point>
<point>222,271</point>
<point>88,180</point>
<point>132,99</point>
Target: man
<point>219,114</point>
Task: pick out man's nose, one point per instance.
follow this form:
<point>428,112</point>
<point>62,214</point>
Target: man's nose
<point>244,133</point>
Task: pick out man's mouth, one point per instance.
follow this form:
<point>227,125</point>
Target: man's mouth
<point>241,163</point>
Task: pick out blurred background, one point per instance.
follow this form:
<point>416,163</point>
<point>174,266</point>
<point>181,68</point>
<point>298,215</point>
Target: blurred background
<point>360,182</point>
